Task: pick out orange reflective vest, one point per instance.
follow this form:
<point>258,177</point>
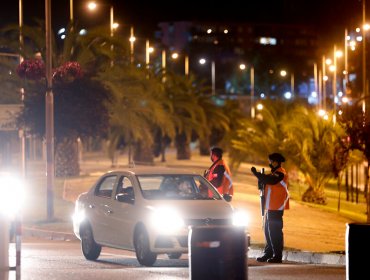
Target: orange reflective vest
<point>277,196</point>
<point>226,186</point>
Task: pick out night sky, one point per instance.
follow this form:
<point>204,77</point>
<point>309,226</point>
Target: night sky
<point>330,16</point>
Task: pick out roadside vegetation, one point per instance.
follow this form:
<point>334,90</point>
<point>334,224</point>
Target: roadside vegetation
<point>101,95</point>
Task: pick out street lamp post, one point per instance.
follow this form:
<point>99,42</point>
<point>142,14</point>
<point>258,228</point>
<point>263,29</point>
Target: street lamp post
<point>71,10</point>
<point>364,56</point>
<point>324,79</point>
<point>175,55</point>
<point>213,74</point>
<point>243,67</point>
<point>22,131</point>
<point>213,78</point>
<point>49,116</point>
<point>132,41</point>
<point>292,83</point>
<point>283,73</point>
<point>253,113</point>
<point>335,85</point>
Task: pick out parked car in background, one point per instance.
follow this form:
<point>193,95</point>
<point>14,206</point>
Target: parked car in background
<point>149,211</point>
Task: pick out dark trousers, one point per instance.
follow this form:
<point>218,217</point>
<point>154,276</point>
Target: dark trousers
<point>274,234</point>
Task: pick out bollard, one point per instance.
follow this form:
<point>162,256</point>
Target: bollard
<point>4,247</point>
<point>218,252</point>
<point>357,250</point>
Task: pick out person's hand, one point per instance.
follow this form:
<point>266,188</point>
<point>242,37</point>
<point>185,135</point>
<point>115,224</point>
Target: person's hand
<point>254,170</point>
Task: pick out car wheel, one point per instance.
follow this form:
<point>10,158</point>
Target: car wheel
<point>174,256</point>
<point>142,248</point>
<point>90,248</point>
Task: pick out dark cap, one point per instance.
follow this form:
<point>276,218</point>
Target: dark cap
<point>217,151</point>
<point>276,157</point>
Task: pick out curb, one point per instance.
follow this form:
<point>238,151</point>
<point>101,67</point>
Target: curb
<point>305,257</point>
<point>50,235</point>
<point>293,256</point>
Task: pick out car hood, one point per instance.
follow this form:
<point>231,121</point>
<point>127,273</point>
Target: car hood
<point>196,209</point>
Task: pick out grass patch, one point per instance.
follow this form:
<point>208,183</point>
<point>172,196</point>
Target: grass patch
<point>348,208</point>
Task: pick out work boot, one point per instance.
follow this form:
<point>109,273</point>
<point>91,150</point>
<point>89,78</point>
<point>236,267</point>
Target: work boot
<point>274,260</point>
<point>264,258</point>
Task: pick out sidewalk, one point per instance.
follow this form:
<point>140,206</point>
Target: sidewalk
<point>311,235</point>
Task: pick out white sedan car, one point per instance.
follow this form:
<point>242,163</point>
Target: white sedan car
<point>148,211</point>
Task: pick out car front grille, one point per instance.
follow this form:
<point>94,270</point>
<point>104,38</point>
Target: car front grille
<point>208,222</point>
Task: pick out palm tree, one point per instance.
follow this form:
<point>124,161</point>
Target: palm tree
<point>93,53</point>
<point>254,139</point>
<point>188,115</point>
<point>309,144</point>
<point>136,106</point>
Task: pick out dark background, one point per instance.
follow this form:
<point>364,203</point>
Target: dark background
<point>329,16</point>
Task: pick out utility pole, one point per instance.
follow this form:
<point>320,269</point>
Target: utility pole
<point>49,115</point>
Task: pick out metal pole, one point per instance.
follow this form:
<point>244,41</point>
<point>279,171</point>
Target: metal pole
<point>71,10</point>
<point>4,247</point>
<point>363,56</point>
<point>345,61</point>
<point>320,90</point>
<point>49,116</point>
<point>111,32</point>
<point>186,65</point>
<point>213,70</point>
<point>335,85</point>
<point>22,131</point>
<point>132,40</point>
<point>111,21</point>
<point>252,93</point>
<point>147,54</point>
<point>292,83</point>
<point>164,65</point>
<point>315,81</point>
<point>324,82</point>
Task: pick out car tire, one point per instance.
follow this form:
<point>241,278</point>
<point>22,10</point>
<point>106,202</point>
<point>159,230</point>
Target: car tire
<point>174,256</point>
<point>90,249</point>
<point>142,248</point>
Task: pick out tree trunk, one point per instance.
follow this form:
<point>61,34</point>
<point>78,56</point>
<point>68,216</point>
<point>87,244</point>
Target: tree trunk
<point>339,184</point>
<point>143,153</point>
<point>182,146</point>
<point>66,158</point>
<point>204,147</point>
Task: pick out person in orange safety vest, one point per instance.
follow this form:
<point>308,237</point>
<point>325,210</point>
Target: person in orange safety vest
<point>276,200</point>
<point>219,174</point>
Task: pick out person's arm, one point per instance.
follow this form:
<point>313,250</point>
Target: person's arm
<point>270,179</point>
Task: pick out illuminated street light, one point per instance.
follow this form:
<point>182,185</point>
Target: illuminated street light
<point>176,55</point>
<point>92,6</point>
<point>242,67</point>
<point>283,73</point>
<point>213,74</point>
<point>132,40</point>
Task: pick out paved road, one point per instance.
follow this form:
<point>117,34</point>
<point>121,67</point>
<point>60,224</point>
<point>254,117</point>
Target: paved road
<point>60,260</point>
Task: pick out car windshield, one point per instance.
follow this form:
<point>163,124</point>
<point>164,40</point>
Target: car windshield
<point>174,186</point>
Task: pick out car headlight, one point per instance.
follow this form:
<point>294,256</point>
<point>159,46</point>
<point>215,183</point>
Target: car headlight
<point>11,195</point>
<point>166,220</point>
<point>240,218</point>
<point>79,217</point>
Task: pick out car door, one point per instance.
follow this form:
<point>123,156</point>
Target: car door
<point>99,209</point>
<point>124,214</point>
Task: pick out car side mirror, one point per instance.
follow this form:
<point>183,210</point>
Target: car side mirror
<point>126,198</point>
<point>227,197</point>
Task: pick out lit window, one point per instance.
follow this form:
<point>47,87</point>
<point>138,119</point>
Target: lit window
<point>267,41</point>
